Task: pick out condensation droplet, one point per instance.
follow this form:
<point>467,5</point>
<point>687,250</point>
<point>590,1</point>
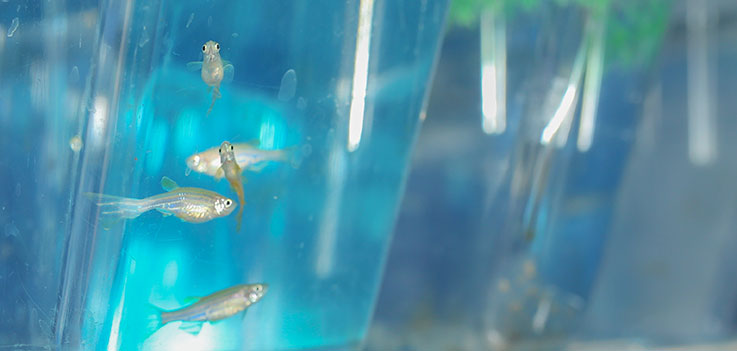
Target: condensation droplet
<point>13,27</point>
<point>189,21</point>
<point>74,75</point>
<point>288,85</point>
<point>75,143</point>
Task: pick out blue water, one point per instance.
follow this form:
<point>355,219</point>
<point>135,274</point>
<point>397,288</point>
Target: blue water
<point>317,234</point>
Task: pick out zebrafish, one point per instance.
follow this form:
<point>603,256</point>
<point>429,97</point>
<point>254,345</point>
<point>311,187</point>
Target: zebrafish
<point>214,70</point>
<point>232,172</point>
<point>193,205</point>
<point>247,155</point>
<point>211,308</point>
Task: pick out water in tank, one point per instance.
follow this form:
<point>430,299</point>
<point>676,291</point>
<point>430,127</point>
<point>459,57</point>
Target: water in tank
<point>105,104</point>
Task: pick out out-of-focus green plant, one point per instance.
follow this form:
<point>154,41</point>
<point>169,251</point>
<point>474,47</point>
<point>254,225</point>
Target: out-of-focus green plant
<point>634,28</point>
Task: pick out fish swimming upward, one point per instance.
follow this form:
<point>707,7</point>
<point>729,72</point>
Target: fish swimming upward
<point>211,308</point>
<point>214,70</point>
<point>247,155</point>
<point>232,172</point>
<point>192,205</point>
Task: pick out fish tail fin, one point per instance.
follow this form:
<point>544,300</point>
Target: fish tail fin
<point>115,208</point>
<point>215,96</point>
<point>294,155</point>
<point>153,320</point>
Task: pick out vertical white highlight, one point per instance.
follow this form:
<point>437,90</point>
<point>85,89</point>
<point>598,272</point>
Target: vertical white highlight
<point>493,72</point>
<point>563,115</point>
<point>99,120</point>
<point>360,73</point>
<point>591,87</point>
<point>701,129</point>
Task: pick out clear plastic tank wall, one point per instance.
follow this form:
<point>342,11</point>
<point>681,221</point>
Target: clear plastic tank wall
<point>45,51</point>
<point>598,184</point>
<point>316,232</point>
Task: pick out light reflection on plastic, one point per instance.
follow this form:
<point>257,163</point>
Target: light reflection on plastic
<point>563,110</point>
<point>174,339</point>
<point>99,120</point>
<point>592,86</point>
<point>360,74</point>
<point>702,136</point>
<point>171,272</point>
<point>493,73</point>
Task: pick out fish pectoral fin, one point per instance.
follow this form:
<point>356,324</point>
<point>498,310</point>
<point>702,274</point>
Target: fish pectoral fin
<point>191,327</point>
<point>168,184</point>
<point>243,314</point>
<point>219,174</point>
<point>194,66</point>
<point>164,212</point>
<point>228,72</point>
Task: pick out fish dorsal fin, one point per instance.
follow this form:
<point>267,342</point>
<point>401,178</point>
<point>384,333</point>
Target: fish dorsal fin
<point>168,184</point>
<point>191,299</point>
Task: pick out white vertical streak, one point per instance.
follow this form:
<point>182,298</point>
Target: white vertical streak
<point>493,72</point>
<point>591,87</point>
<point>328,231</point>
<point>566,108</point>
<point>701,133</point>
<point>360,74</point>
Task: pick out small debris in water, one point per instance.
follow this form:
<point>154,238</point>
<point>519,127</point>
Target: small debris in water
<point>234,35</point>
<point>276,197</point>
<point>301,103</point>
<point>13,27</point>
<point>74,75</point>
<point>288,85</point>
<point>75,143</point>
<point>189,21</point>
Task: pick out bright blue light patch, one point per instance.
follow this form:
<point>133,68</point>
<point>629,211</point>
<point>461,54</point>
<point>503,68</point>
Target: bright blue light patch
<point>157,147</point>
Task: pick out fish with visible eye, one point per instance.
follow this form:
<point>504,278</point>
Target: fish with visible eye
<point>232,172</point>
<point>192,205</point>
<point>214,70</point>
<point>248,156</point>
<point>211,308</point>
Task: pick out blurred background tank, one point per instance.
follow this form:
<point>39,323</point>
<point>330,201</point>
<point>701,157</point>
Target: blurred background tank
<point>573,186</point>
<point>97,98</point>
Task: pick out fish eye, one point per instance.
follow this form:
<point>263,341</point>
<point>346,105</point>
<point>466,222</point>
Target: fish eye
<point>228,203</point>
<point>231,147</point>
<point>220,150</point>
<point>204,48</point>
<point>217,46</point>
<point>258,288</point>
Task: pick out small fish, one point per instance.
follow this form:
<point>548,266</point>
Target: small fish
<point>214,70</point>
<point>232,172</point>
<point>211,308</point>
<point>247,155</point>
<point>192,205</point>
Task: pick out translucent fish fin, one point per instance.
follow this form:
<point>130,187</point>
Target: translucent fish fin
<point>296,154</point>
<point>164,212</point>
<point>115,208</point>
<point>243,315</point>
<point>228,72</point>
<point>168,184</point>
<point>191,327</point>
<point>191,299</point>
<point>194,66</point>
<point>258,167</point>
<point>152,321</point>
<point>219,174</point>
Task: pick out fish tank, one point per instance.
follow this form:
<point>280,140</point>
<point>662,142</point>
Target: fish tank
<point>573,184</point>
<point>111,235</point>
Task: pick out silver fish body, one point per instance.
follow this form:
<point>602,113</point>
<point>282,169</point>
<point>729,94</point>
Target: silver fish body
<point>247,156</point>
<point>194,205</point>
<point>219,305</point>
